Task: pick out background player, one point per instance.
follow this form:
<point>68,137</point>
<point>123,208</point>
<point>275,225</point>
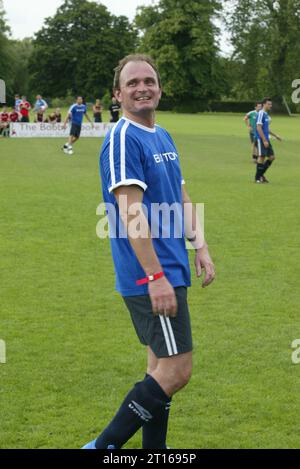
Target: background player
<point>40,105</point>
<point>75,116</point>
<point>114,109</point>
<point>265,150</point>
<point>250,120</point>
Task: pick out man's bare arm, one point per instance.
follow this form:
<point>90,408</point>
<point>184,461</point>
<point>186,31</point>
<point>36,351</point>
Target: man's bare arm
<point>161,292</point>
<point>88,118</point>
<point>194,234</point>
<point>66,120</point>
<point>275,135</point>
<point>262,135</point>
<point>246,120</point>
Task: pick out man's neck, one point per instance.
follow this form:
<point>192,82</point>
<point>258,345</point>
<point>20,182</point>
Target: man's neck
<point>147,120</point>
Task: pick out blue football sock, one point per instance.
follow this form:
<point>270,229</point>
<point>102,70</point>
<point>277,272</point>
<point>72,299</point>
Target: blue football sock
<point>267,164</point>
<point>155,431</point>
<point>141,405</point>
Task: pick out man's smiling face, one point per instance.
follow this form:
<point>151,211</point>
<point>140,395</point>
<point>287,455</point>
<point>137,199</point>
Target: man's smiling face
<point>139,91</point>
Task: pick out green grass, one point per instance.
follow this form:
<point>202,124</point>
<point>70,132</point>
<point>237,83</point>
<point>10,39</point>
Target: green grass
<point>72,353</point>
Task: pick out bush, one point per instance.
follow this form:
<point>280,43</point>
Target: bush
<point>67,101</point>
<point>231,106</point>
<point>106,100</point>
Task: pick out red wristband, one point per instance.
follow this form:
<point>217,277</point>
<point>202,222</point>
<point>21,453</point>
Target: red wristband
<point>149,278</point>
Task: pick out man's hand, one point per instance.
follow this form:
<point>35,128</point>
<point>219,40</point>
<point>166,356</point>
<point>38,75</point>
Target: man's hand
<point>203,261</point>
<point>266,143</point>
<point>163,298</point>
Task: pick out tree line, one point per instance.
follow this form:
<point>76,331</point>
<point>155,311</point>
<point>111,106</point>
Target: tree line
<point>77,49</point>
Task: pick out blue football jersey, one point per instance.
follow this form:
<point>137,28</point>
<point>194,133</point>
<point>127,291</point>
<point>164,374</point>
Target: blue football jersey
<point>77,112</point>
<point>133,154</point>
<point>263,119</point>
<point>40,103</point>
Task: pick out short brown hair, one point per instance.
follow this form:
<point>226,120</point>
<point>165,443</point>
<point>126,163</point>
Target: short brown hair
<point>266,100</point>
<point>134,58</point>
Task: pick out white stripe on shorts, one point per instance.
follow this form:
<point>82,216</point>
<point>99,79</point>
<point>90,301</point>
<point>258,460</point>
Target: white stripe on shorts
<point>172,336</point>
<point>259,147</point>
<point>164,328</point>
<point>168,334</point>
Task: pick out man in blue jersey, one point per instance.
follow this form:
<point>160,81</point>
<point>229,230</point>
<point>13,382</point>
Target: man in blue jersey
<point>75,115</point>
<point>265,151</point>
<point>40,105</point>
<point>140,169</point>
<point>18,101</point>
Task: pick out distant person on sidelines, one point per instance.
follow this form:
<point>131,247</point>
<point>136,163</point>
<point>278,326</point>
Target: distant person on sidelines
<point>40,104</point>
<point>97,110</point>
<point>14,115</point>
<point>75,115</point>
<point>114,109</point>
<point>24,108</point>
<point>4,122</point>
<point>58,115</point>
<point>39,117</point>
<point>18,101</point>
<point>51,119</point>
<point>250,120</point>
<point>266,154</point>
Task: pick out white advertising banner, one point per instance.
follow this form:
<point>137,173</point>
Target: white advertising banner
<point>42,130</point>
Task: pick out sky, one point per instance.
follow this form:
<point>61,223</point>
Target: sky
<point>25,17</point>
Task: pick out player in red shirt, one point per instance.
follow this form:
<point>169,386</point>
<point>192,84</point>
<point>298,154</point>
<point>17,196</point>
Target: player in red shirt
<point>24,108</point>
<point>4,121</point>
<point>13,115</point>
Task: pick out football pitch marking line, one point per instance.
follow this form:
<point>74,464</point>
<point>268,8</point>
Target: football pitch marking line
<point>2,351</point>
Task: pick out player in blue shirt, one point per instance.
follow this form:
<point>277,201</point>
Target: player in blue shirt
<point>40,104</point>
<point>265,150</point>
<point>18,101</point>
<point>140,169</point>
<point>75,115</point>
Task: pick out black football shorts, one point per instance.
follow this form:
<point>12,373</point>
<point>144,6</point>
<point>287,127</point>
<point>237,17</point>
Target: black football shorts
<point>165,336</point>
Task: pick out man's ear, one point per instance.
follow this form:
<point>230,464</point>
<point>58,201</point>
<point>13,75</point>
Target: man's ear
<point>117,95</point>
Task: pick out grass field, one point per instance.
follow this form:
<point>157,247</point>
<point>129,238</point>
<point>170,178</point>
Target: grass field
<point>72,353</point>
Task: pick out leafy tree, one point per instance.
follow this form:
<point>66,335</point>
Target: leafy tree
<point>265,36</point>
<point>181,37</point>
<point>5,63</point>
<point>20,54</point>
<point>78,48</point>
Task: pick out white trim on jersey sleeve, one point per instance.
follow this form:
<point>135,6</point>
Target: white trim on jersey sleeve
<point>129,182</point>
<point>111,157</point>
<point>124,181</point>
<point>71,107</point>
<point>182,182</point>
<point>260,118</point>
